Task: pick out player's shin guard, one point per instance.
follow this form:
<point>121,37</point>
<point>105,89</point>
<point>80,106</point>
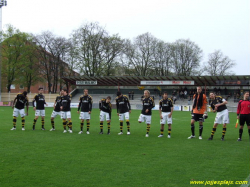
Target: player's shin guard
<point>169,131</point>
<point>88,125</point>
<point>34,124</point>
<point>42,123</point>
<point>121,126</point>
<point>108,127</point>
<point>70,124</point>
<point>240,133</point>
<point>101,126</point>
<point>148,128</point>
<point>200,130</point>
<point>81,126</point>
<point>213,131</point>
<point>64,124</point>
<point>224,132</point>
<point>192,129</point>
<point>128,126</point>
<point>23,122</point>
<point>52,123</point>
<point>14,121</point>
<point>162,131</point>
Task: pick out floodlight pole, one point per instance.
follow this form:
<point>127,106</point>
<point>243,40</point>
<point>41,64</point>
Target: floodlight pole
<point>2,3</point>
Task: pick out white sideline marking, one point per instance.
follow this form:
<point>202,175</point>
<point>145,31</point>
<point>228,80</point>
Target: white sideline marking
<point>247,179</point>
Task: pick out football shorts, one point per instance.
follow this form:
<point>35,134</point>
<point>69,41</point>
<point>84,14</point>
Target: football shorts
<point>84,115</point>
<point>123,116</point>
<point>165,118</point>
<point>40,113</point>
<point>145,118</point>
<point>17,112</point>
<point>197,117</point>
<point>104,115</point>
<point>222,117</point>
<point>65,115</point>
<point>54,114</point>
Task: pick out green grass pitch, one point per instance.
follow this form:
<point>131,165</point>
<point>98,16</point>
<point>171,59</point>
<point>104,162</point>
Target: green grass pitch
<point>43,158</point>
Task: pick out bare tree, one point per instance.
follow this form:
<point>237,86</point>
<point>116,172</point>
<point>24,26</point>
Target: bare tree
<point>97,51</point>
<point>186,57</point>
<point>163,59</point>
<point>51,50</point>
<point>139,55</point>
<point>218,64</point>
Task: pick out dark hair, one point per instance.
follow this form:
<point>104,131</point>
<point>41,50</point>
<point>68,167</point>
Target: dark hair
<point>119,93</point>
<point>40,88</point>
<point>108,97</point>
<point>245,92</point>
<point>165,93</point>
<point>64,89</point>
<point>24,93</point>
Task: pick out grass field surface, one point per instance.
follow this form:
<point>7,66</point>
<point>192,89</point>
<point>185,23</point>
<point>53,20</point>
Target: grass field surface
<point>44,158</point>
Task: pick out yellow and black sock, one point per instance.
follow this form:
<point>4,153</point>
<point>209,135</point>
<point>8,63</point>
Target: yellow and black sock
<point>108,127</point>
<point>121,126</point>
<point>34,123</point>
<point>14,121</point>
<point>128,126</point>
<point>224,132</point>
<point>64,124</point>
<point>23,122</point>
<point>169,131</point>
<point>81,126</point>
<point>42,123</point>
<point>213,131</point>
<point>162,131</point>
<point>148,128</point>
<point>88,125</point>
<point>70,124</point>
<point>53,123</point>
<point>101,126</point>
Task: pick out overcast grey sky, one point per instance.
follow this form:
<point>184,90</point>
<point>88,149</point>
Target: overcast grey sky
<point>212,24</point>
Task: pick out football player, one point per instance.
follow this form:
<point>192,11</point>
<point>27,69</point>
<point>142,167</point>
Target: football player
<point>39,108</point>
<point>123,111</point>
<point>147,106</point>
<point>85,103</point>
<point>166,111</point>
<point>20,101</point>
<point>66,110</point>
<point>105,112</point>
<point>218,104</point>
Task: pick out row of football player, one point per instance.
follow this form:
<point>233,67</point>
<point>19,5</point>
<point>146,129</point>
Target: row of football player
<point>199,113</point>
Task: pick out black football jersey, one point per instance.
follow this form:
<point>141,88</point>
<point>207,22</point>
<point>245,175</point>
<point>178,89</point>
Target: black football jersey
<point>218,100</point>
<point>105,107</point>
<point>147,103</point>
<point>40,101</point>
<point>58,103</point>
<point>85,103</point>
<point>65,102</point>
<point>21,101</point>
<point>122,104</point>
<point>165,105</point>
